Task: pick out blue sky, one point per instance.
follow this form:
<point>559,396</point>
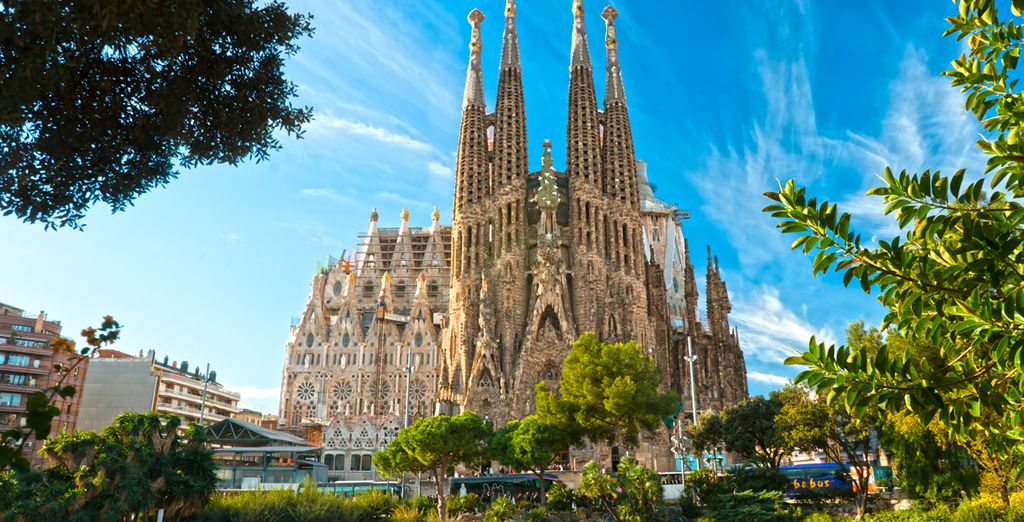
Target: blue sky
<point>725,98</point>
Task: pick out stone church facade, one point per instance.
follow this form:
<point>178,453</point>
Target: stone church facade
<point>473,316</point>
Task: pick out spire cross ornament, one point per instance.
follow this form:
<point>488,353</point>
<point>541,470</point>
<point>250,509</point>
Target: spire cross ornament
<point>476,17</point>
<point>610,14</point>
<point>510,8</point>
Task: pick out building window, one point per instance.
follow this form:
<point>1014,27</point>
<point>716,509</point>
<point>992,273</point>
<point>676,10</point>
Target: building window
<point>361,462</point>
<point>21,328</point>
<point>14,378</point>
<point>18,360</point>
<point>10,399</point>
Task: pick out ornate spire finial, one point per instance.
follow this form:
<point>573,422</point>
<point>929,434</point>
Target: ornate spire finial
<point>373,215</point>
<point>435,215</point>
<point>510,45</point>
<point>404,215</point>
<point>476,17</point>
<point>610,14</point>
<point>613,89</point>
<point>580,51</point>
<point>474,77</point>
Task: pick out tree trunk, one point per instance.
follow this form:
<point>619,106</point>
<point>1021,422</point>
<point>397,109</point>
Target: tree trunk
<point>442,492</point>
<point>543,498</point>
<point>862,491</point>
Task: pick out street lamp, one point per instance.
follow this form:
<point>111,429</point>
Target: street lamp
<point>690,358</point>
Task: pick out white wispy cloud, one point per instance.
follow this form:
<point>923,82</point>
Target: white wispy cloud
<point>439,169</point>
<point>768,378</point>
<point>770,331</point>
<point>312,231</point>
<point>324,122</point>
<point>325,193</point>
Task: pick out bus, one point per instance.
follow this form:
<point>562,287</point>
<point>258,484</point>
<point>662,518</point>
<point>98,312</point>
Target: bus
<point>351,488</point>
<point>489,487</point>
<point>825,478</point>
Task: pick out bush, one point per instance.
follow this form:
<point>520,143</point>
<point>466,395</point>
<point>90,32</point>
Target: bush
<point>537,514</point>
<point>708,487</point>
<point>758,479</point>
<point>985,510</point>
<point>560,498</point>
<point>746,506</point>
<point>280,506</point>
<point>918,512</point>
<point>408,513</point>
<point>374,505</point>
<point>501,510</point>
<point>822,517</point>
<point>459,505</point>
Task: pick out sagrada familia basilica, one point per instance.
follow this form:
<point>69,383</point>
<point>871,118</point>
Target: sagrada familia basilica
<point>441,319</point>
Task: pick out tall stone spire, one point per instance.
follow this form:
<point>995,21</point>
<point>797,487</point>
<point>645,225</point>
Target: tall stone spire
<point>474,75</point>
<point>620,178</point>
<point>510,158</point>
<point>471,162</point>
<point>582,135</point>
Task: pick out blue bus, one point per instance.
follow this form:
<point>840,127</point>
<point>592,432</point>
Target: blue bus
<point>817,479</point>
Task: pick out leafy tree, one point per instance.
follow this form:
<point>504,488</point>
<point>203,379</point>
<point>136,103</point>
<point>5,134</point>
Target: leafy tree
<point>811,424</point>
<point>435,445</point>
<point>530,444</point>
<point>141,463</point>
<point>707,434</point>
<point>750,430</point>
<point>608,393</point>
<point>40,409</point>
<point>925,462</point>
<point>953,279</point>
<point>101,102</point>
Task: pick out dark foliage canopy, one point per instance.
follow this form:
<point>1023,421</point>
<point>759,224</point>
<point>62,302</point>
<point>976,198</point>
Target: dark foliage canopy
<point>102,101</point>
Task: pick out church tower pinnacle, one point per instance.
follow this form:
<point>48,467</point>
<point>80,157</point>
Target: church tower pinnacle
<point>471,233</point>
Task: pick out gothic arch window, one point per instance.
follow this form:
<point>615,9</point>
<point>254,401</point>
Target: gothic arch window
<point>549,374</point>
<point>419,339</point>
<point>337,288</point>
<point>309,340</point>
<point>346,339</point>
<point>485,381</point>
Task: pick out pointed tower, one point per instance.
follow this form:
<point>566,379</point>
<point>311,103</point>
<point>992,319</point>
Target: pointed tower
<point>618,157</point>
<point>471,227</point>
<point>508,269</point>
<point>587,216</point>
<point>718,305</point>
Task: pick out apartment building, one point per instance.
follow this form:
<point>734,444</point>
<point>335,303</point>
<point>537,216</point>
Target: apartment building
<point>27,365</point>
<point>119,382</point>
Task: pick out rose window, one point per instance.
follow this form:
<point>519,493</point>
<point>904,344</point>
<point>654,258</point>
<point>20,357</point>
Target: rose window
<point>342,391</point>
<point>417,391</point>
<point>306,392</point>
<point>382,392</point>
